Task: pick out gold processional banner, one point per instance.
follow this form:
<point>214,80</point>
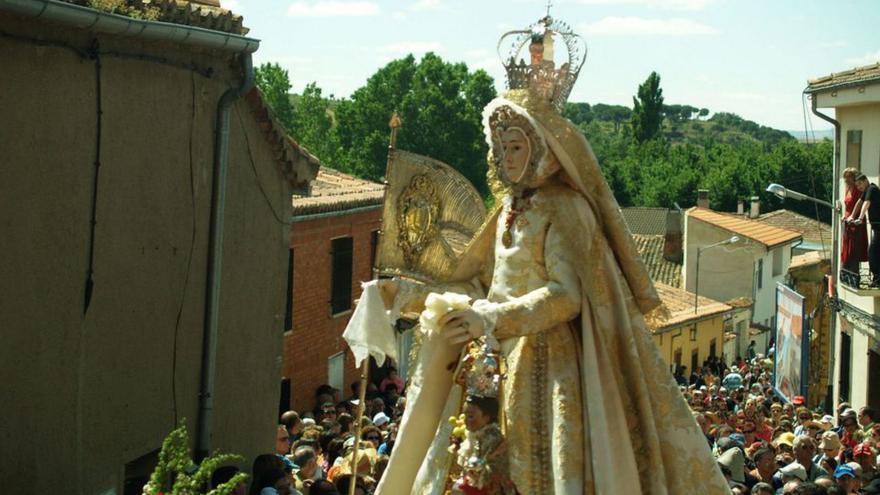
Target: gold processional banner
<point>430,215</point>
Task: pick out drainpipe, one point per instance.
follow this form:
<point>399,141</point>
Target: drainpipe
<point>835,236</point>
<point>215,257</point>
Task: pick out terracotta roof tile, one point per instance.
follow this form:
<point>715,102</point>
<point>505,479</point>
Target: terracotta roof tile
<point>299,166</point>
<point>767,235</point>
<point>335,191</point>
<point>645,221</point>
<point>194,14</point>
<point>811,230</point>
<point>853,77</point>
<point>807,259</point>
<point>650,248</point>
<point>680,304</point>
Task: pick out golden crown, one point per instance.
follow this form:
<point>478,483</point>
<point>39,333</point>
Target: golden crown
<point>540,74</point>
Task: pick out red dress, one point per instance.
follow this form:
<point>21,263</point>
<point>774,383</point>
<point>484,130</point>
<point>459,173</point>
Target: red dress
<point>855,237</point>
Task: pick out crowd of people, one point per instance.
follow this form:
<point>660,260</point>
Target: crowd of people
<point>767,446</point>
<point>763,445</point>
<point>314,449</point>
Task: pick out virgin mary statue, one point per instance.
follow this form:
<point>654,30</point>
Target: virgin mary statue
<point>588,406</point>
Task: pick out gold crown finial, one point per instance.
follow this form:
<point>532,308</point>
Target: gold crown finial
<point>540,75</point>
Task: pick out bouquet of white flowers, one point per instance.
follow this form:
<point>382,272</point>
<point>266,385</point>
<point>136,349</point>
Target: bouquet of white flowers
<point>438,305</point>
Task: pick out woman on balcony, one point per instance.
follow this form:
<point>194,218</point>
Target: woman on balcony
<point>854,248</point>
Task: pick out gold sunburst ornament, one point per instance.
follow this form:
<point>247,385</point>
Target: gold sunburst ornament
<point>418,211</point>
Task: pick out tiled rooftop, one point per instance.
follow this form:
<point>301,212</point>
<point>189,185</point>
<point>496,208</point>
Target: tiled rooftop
<point>680,304</point>
<point>859,75</point>
<point>808,259</point>
<point>335,191</point>
<point>811,230</point>
<point>767,235</point>
<point>650,248</point>
<point>645,221</point>
<point>205,14</point>
<point>300,167</point>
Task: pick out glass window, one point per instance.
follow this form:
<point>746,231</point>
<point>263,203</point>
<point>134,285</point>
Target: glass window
<point>759,274</point>
<point>335,370</point>
<point>340,283</point>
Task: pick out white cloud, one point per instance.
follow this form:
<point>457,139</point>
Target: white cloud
<point>866,59</point>
<point>635,26</point>
<point>426,5</point>
<point>398,15</point>
<point>414,47</point>
<point>656,4</point>
<point>332,8</point>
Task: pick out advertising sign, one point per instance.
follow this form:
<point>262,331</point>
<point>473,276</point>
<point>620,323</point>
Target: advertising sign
<point>792,344</point>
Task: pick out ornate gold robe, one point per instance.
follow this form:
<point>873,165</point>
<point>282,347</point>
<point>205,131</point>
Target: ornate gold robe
<point>589,405</point>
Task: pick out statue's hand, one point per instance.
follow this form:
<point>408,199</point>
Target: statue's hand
<point>461,326</point>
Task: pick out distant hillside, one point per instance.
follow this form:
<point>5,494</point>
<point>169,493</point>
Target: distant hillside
<point>681,124</point>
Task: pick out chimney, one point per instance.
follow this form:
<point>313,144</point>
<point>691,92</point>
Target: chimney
<point>702,198</point>
<point>740,207</point>
<point>755,209</point>
<point>673,243</point>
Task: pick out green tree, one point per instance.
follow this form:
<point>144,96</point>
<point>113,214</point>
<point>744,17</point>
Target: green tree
<point>647,116</point>
<point>703,112</point>
<point>578,113</point>
<point>313,123</point>
<point>440,105</point>
<point>274,83</point>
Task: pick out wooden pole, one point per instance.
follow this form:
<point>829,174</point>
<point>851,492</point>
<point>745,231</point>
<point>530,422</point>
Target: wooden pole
<point>362,399</point>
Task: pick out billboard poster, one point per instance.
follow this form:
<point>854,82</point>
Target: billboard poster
<point>791,340</point>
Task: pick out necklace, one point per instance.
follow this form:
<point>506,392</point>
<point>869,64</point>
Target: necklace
<point>517,207</point>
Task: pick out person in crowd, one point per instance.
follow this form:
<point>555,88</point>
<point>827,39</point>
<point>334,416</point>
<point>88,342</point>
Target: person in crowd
<point>863,454</point>
<point>381,420</point>
<point>282,448</point>
<point>763,489</point>
<point>328,411</point>
<point>851,434</point>
<point>846,479</point>
<point>309,470</point>
<point>391,379</point>
<point>792,471</point>
<point>373,435</point>
<point>293,423</point>
<point>275,482</point>
<point>870,212</point>
<point>224,474</point>
<point>346,424</point>
<point>263,464</point>
<point>804,450</point>
<point>342,484</point>
<point>854,248</point>
<point>388,444</point>
<point>867,417</point>
<point>324,487</point>
<point>764,460</point>
<point>829,446</point>
<point>803,415</point>
<point>874,438</point>
<point>391,396</point>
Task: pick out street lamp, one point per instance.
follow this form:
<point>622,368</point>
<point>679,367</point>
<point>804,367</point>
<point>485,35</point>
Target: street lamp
<point>781,192</point>
<point>700,250</point>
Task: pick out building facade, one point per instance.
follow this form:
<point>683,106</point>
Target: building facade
<point>332,248</point>
<point>749,268</point>
<point>854,97</point>
<point>105,215</point>
<point>694,330</point>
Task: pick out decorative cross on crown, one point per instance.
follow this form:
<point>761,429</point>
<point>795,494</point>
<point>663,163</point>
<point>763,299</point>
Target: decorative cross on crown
<point>540,74</point>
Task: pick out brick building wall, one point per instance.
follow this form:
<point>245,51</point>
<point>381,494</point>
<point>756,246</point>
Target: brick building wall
<point>316,334</point>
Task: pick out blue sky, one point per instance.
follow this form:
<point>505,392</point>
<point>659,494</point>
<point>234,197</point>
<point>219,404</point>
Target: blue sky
<point>749,57</point>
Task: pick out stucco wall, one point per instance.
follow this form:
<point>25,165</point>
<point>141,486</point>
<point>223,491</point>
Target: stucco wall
<point>95,390</point>
<point>671,340</point>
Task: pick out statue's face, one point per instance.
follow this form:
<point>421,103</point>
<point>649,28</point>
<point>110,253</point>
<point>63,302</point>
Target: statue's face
<point>516,153</point>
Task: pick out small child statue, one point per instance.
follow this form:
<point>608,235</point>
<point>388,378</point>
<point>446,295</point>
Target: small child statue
<point>482,457</point>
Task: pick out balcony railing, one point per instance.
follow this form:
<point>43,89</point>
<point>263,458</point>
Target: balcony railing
<point>858,281</point>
